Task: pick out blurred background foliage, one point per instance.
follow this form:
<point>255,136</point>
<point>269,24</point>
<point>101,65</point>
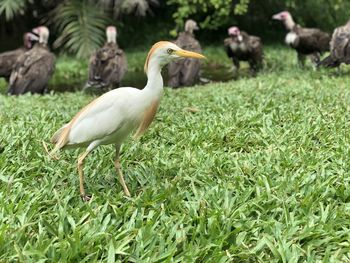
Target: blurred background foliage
<point>77,26</point>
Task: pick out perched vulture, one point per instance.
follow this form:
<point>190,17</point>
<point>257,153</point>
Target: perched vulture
<point>185,72</point>
<point>306,41</point>
<point>242,47</point>
<point>9,58</point>
<point>340,47</point>
<point>34,68</point>
<point>108,65</point>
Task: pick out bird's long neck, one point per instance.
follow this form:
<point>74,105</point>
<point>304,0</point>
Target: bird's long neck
<point>40,45</point>
<point>154,84</point>
<point>189,31</point>
<point>347,24</point>
<point>289,23</point>
<point>43,39</point>
<point>27,43</point>
<point>112,37</point>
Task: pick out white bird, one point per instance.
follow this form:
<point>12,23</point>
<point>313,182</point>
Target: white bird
<point>110,118</point>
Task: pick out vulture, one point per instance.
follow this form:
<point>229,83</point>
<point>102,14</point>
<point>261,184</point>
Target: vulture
<point>306,41</point>
<point>9,58</point>
<point>34,68</point>
<point>185,72</point>
<point>242,47</point>
<point>340,48</point>
<point>108,65</point>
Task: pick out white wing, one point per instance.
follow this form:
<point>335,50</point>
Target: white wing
<point>104,116</point>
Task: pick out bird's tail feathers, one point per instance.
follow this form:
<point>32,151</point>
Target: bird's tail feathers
<point>51,153</point>
<point>60,139</point>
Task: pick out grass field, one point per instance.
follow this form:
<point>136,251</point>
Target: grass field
<point>261,173</point>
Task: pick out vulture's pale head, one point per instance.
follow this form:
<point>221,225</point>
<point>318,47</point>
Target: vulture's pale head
<point>191,25</point>
<point>235,33</point>
<point>282,16</point>
<point>111,33</point>
<point>286,18</point>
<point>43,33</point>
<point>164,52</point>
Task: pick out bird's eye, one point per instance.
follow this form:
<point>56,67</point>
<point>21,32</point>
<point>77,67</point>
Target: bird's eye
<point>170,51</point>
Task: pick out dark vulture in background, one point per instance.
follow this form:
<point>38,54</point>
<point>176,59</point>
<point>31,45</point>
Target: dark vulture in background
<point>9,58</point>
<point>108,65</point>
<point>185,72</point>
<point>34,68</point>
<point>306,41</point>
<point>242,47</point>
<point>340,48</point>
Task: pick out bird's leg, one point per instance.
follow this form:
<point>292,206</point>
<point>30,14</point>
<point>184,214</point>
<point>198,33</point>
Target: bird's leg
<point>253,67</point>
<point>315,59</point>
<point>45,90</point>
<point>236,63</point>
<point>301,60</point>
<point>10,91</point>
<point>119,171</point>
<point>81,176</point>
<point>338,70</point>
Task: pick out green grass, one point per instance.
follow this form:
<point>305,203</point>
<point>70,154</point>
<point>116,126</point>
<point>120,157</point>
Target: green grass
<point>259,174</point>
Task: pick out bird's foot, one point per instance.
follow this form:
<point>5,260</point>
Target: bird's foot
<point>86,198</point>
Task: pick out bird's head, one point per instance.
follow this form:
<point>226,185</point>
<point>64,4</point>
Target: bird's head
<point>191,25</point>
<point>111,33</point>
<point>282,16</point>
<point>233,31</point>
<point>164,52</point>
<point>43,33</point>
<point>286,18</point>
<point>29,39</point>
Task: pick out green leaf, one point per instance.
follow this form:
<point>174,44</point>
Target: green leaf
<point>111,252</point>
<point>12,7</point>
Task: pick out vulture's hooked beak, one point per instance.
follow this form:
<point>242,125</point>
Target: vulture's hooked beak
<point>188,54</point>
<point>277,17</point>
<point>35,31</point>
<point>33,37</point>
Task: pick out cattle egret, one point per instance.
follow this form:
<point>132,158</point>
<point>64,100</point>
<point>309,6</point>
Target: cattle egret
<point>110,118</point>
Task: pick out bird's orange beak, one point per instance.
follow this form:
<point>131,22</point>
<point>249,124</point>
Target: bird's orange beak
<point>188,54</point>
